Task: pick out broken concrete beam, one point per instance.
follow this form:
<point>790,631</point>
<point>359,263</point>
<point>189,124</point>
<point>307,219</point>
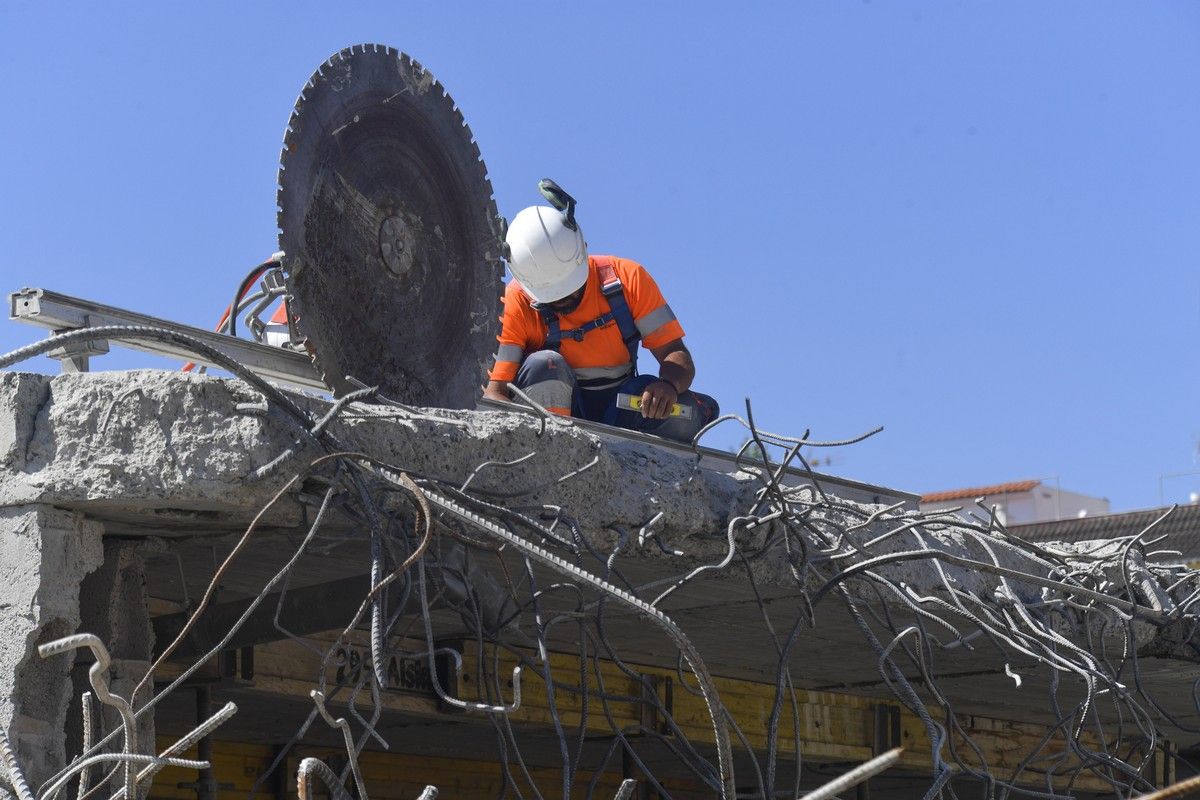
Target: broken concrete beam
<point>147,442</point>
<point>153,453</point>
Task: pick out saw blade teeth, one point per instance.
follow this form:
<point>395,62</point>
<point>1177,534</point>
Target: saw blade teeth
<point>409,82</point>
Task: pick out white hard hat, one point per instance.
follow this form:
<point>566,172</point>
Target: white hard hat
<point>547,256</point>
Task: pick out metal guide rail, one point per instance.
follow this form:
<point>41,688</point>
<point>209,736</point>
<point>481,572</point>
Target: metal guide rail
<point>60,312</point>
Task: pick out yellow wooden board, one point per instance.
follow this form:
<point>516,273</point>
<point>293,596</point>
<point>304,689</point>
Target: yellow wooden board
<point>833,727</point>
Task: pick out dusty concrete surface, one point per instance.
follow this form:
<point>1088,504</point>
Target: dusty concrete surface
<point>44,555</point>
<point>154,454</point>
<point>166,446</point>
<point>153,451</point>
<point>152,440</point>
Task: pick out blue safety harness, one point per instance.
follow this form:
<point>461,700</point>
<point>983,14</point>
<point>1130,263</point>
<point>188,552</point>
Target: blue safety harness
<point>618,309</point>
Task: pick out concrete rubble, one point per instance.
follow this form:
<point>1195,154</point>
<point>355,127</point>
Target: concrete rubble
<point>96,468</point>
<point>174,446</point>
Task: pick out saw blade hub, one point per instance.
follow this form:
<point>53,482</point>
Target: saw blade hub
<point>396,247</point>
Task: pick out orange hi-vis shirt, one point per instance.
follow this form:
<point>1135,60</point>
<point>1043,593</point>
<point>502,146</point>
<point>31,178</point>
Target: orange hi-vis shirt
<point>602,353</point>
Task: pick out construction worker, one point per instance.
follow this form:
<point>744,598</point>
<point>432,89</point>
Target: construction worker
<point>571,328</point>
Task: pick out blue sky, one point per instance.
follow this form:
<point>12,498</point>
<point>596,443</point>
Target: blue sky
<point>976,224</point>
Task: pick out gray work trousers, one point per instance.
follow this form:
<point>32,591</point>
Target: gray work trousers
<point>549,380</point>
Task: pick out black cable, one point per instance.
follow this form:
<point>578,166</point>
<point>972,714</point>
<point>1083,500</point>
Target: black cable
<point>250,278</point>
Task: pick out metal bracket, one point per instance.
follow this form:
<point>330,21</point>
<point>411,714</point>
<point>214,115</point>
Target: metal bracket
<point>1160,767</point>
<point>886,732</point>
<point>75,357</point>
<point>648,707</point>
<point>272,288</point>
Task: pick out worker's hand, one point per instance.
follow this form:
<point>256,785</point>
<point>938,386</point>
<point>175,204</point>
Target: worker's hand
<point>658,398</point>
<point>497,390</point>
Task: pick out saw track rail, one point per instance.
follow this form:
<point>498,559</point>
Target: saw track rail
<point>60,313</point>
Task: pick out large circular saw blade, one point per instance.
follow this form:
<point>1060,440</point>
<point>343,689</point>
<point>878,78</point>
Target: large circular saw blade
<point>391,235</point>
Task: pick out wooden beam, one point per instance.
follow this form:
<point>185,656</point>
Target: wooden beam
<point>304,611</point>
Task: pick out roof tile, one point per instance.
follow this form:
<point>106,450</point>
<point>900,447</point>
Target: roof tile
<point>1182,527</point>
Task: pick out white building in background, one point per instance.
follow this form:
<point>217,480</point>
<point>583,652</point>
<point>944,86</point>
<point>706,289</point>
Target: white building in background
<point>1019,502</point>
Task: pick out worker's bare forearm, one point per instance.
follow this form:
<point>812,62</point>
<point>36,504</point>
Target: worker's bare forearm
<point>497,390</point>
<point>675,365</point>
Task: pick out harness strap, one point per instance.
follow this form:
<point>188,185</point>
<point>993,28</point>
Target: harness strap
<point>614,293</point>
<point>553,331</point>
